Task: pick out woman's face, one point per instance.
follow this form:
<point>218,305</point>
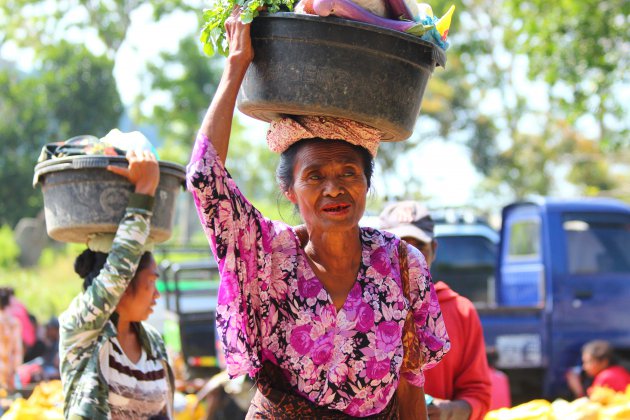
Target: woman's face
<point>137,304</point>
<point>329,186</point>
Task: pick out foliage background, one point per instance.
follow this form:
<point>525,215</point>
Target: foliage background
<point>536,92</point>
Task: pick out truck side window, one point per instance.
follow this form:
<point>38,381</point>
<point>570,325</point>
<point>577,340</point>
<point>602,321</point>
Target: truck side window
<point>466,263</point>
<point>597,243</point>
<point>524,239</point>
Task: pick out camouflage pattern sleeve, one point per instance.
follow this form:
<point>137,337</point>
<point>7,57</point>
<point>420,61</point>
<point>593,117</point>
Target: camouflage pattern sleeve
<point>88,313</point>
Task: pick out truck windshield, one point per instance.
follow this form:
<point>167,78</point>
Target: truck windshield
<point>466,264</point>
<point>597,243</point>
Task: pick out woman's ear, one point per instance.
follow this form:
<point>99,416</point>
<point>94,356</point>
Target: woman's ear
<point>290,195</point>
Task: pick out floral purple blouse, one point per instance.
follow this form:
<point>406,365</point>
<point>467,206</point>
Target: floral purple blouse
<point>271,306</point>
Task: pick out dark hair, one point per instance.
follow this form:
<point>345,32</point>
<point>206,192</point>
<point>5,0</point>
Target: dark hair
<point>5,297</point>
<point>53,322</point>
<point>599,350</point>
<point>90,263</point>
<point>284,172</point>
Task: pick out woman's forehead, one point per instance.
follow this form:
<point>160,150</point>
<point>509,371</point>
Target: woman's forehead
<point>323,152</point>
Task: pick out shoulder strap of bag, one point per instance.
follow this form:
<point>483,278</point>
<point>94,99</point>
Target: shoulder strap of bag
<point>412,359</point>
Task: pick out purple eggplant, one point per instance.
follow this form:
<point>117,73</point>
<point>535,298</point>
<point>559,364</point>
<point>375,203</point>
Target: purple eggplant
<point>400,10</point>
<point>349,10</point>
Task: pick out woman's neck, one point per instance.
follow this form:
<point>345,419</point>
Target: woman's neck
<point>128,339</point>
<point>334,251</point>
<point>123,326</point>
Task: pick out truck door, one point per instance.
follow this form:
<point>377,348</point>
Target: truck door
<point>591,284</point>
<point>521,284</point>
<point>593,290</point>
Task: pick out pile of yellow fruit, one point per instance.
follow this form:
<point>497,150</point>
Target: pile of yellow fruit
<point>192,411</point>
<point>603,404</point>
<point>46,402</point>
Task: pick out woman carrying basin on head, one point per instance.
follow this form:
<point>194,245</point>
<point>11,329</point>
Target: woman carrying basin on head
<point>315,313</point>
<point>114,366</point>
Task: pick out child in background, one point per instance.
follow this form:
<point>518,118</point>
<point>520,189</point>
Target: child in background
<point>598,361</point>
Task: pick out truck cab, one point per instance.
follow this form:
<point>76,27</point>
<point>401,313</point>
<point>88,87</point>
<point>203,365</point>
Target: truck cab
<point>562,279</point>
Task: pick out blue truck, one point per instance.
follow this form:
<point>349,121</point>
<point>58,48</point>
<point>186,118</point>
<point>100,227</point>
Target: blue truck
<point>562,278</point>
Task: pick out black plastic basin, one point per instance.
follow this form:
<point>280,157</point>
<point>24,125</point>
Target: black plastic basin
<point>309,65</point>
<point>81,197</point>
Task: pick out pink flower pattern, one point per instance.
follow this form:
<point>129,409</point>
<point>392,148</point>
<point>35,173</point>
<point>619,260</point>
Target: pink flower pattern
<point>301,339</point>
<point>273,308</point>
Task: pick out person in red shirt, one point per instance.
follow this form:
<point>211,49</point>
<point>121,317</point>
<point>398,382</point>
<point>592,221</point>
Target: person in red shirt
<point>598,362</point>
<point>460,384</point>
<point>500,383</point>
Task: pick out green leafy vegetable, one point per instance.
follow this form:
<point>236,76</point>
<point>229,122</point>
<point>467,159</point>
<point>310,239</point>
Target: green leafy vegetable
<point>213,32</point>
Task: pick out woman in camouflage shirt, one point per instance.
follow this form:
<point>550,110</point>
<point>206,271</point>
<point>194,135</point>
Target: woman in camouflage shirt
<point>112,364</point>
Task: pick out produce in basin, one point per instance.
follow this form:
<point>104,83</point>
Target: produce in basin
<point>350,10</point>
<point>399,15</point>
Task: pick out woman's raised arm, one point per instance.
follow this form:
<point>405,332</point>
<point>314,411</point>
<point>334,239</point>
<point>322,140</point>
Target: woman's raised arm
<point>88,313</point>
<point>217,123</point>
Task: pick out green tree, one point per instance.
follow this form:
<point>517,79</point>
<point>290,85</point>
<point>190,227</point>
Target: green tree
<point>48,22</point>
<point>10,249</point>
<point>69,92</point>
<point>526,74</point>
<point>580,48</point>
<point>24,126</point>
<point>188,79</point>
<point>83,89</point>
<point>450,107</point>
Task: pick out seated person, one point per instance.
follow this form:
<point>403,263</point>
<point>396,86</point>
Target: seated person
<point>578,381</point>
<point>599,363</point>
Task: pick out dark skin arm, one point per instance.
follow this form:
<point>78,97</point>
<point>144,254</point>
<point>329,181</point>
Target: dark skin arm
<point>217,123</point>
<point>411,401</point>
<point>449,409</point>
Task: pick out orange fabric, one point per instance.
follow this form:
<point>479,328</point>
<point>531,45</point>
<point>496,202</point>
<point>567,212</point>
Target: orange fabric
<point>284,132</point>
<point>10,349</point>
<point>463,373</point>
<point>412,358</point>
